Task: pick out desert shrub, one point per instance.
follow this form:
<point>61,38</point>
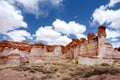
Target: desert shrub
<point>77,73</point>
<point>113,70</point>
<point>17,69</point>
<point>100,71</point>
<point>67,78</point>
<point>104,64</point>
<point>25,68</point>
<point>96,71</point>
<point>8,67</point>
<point>32,71</point>
<point>46,77</point>
<point>87,74</point>
<point>46,69</point>
<point>34,78</point>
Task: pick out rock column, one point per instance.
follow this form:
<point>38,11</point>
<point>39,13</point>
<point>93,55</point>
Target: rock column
<point>101,41</point>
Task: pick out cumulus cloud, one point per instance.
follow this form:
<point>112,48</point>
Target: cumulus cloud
<point>112,33</point>
<point>36,7</point>
<point>47,33</point>
<point>114,39</point>
<point>19,35</point>
<point>69,28</point>
<point>59,31</point>
<point>51,36</point>
<point>10,18</point>
<point>113,2</point>
<point>103,15</point>
<point>62,40</point>
<point>116,44</point>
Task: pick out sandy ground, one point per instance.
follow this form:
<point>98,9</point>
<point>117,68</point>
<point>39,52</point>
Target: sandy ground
<point>59,72</point>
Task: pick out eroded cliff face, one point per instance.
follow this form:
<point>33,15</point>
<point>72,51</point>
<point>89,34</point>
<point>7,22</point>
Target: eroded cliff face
<point>105,49</point>
<point>95,49</point>
<point>13,57</point>
<point>89,47</point>
<point>98,49</point>
<point>41,53</point>
<point>22,46</point>
<point>38,51</point>
<point>72,49</point>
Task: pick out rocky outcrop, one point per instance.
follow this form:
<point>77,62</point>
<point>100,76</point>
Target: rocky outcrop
<point>82,47</point>
<point>93,50</point>
<point>50,48</point>
<point>98,50</point>
<point>22,46</point>
<point>41,53</point>
<point>72,49</point>
<point>38,51</point>
<point>13,57</point>
<point>14,52</point>
<point>3,60</point>
<point>89,48</point>
<point>105,49</point>
<point>92,37</point>
<point>117,49</point>
<point>101,31</point>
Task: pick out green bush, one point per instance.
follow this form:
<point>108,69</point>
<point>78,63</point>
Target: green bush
<point>113,71</point>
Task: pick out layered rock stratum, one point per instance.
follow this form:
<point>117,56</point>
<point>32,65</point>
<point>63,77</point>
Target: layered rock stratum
<point>93,50</point>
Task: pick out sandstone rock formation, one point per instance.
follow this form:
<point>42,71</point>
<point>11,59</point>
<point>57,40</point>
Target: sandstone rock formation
<point>101,31</point>
<point>93,50</point>
<point>45,53</point>
<point>14,52</point>
<point>117,49</point>
<point>72,49</point>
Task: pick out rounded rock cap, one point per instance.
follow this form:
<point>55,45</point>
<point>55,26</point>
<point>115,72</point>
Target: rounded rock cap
<point>102,27</point>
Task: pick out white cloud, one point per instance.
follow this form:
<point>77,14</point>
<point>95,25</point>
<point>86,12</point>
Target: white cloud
<point>112,33</point>
<point>19,35</point>
<point>69,28</point>
<point>30,6</point>
<point>55,2</point>
<point>81,36</point>
<point>36,7</point>
<point>62,40</point>
<point>113,2</point>
<point>54,34</point>
<point>51,36</point>
<point>114,39</point>
<point>10,18</point>
<point>103,15</point>
<point>116,44</point>
<point>47,33</point>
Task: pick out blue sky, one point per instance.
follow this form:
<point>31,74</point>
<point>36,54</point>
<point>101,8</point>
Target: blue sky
<point>58,21</point>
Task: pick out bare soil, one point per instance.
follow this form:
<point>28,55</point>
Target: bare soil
<point>59,72</point>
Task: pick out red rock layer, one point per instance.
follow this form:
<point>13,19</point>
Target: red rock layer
<point>118,49</point>
<point>22,46</point>
<point>101,31</point>
<point>50,48</point>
